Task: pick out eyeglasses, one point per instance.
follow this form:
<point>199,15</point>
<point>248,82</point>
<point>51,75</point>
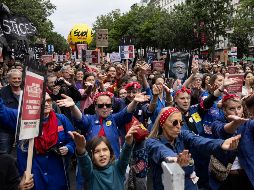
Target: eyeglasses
<point>176,122</point>
<point>103,105</point>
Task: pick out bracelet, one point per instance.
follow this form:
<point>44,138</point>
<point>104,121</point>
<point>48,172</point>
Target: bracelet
<point>221,90</point>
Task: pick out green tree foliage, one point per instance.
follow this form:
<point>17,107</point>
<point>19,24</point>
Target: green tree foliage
<point>243,26</point>
<point>106,22</point>
<point>59,42</point>
<point>213,17</point>
<point>151,26</point>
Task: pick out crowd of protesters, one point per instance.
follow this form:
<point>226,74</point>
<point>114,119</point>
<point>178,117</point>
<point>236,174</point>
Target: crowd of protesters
<point>120,121</point>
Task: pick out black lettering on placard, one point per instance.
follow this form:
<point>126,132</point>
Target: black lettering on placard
<point>102,37</point>
<point>76,32</point>
<point>80,33</point>
<point>84,33</point>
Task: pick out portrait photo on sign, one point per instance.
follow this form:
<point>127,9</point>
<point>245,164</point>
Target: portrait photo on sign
<point>179,64</point>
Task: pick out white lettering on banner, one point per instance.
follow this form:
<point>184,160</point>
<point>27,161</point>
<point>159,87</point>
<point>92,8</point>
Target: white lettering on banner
<point>21,29</point>
<point>34,90</point>
<point>37,102</point>
<point>33,112</point>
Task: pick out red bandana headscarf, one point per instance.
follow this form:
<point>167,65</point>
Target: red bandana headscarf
<point>228,97</point>
<point>182,90</point>
<point>97,95</point>
<point>165,114</point>
<point>135,85</point>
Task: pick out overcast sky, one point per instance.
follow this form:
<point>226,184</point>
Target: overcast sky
<point>71,12</point>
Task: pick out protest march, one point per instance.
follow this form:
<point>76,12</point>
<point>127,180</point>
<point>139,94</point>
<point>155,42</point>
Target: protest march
<point>119,112</point>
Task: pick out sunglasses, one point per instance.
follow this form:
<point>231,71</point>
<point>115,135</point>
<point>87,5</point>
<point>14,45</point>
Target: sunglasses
<point>176,122</point>
<point>102,105</point>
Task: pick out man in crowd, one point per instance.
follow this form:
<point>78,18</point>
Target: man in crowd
<point>10,96</point>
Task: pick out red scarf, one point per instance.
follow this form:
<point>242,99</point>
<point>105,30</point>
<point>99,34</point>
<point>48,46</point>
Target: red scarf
<point>49,135</point>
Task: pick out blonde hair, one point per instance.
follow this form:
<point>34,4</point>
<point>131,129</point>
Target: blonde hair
<point>157,129</point>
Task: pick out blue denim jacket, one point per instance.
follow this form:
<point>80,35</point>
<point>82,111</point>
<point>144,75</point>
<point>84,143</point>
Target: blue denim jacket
<point>244,153</point>
<point>50,170</point>
<point>113,127</point>
<point>159,149</point>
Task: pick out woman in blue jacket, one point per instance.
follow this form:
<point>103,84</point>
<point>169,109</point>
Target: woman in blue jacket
<point>168,142</point>
<point>52,149</point>
<point>240,165</point>
<point>103,123</point>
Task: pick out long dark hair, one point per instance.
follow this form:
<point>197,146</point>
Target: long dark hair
<point>91,146</point>
<point>203,85</point>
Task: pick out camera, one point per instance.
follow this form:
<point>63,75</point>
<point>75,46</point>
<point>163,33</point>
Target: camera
<point>59,82</point>
<point>55,148</point>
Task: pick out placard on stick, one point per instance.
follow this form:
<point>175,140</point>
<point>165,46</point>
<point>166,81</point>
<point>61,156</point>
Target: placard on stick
<point>102,38</point>
<point>237,87</point>
<point>31,107</point>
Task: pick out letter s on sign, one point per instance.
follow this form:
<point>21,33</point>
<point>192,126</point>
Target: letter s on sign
<point>7,28</point>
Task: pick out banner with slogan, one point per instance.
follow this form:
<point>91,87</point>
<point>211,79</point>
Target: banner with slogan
<point>102,38</point>
<point>90,56</point>
<point>178,65</point>
<point>115,57</point>
<point>38,51</point>
<point>15,33</point>
<point>158,66</point>
<point>79,48</point>
<point>237,87</point>
<point>31,106</point>
<point>46,59</point>
<point>127,52</point>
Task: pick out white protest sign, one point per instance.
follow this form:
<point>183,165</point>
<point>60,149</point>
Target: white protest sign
<point>102,38</point>
<point>115,57</point>
<point>31,108</point>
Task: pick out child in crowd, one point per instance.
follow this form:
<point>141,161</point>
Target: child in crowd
<point>97,164</point>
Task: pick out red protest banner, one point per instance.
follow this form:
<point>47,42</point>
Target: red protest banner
<point>232,69</point>
<point>31,107</point>
<point>237,87</point>
<point>91,56</point>
<point>158,66</point>
<point>46,59</point>
<point>79,49</point>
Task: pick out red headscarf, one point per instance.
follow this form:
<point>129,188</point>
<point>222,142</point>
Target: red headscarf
<point>165,114</point>
<point>228,97</point>
<point>97,95</point>
<point>135,85</point>
<point>182,90</point>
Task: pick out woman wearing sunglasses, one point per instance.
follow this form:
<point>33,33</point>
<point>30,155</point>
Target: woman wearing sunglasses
<point>103,123</point>
<point>167,142</point>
